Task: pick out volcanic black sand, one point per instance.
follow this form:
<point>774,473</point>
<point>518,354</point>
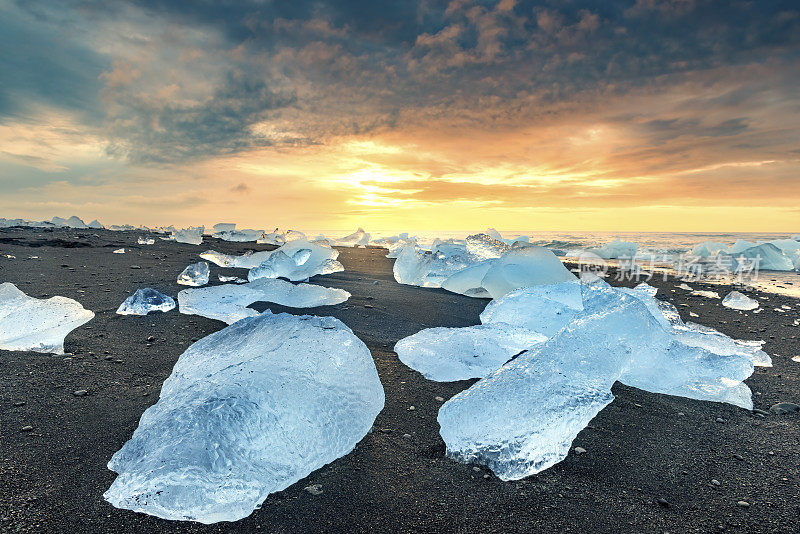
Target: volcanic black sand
<point>642,448</point>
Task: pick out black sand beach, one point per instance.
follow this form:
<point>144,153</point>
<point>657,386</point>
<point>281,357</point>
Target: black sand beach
<point>642,448</point>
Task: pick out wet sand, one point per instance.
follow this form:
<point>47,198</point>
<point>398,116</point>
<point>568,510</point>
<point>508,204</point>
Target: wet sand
<point>639,449</point>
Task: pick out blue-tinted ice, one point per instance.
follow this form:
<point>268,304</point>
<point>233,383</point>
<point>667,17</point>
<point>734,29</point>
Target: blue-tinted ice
<point>143,301</point>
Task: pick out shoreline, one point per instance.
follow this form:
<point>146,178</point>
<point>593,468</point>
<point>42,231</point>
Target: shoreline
<point>639,449</point>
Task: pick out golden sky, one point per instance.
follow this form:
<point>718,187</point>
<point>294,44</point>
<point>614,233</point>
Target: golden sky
<point>635,116</point>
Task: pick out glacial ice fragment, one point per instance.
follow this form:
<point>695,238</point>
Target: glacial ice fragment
<point>119,251</point>
<point>95,224</point>
<point>522,418</point>
<point>229,302</point>
<point>468,280</point>
<point>234,279</point>
<point>616,249</point>
<point>485,247</point>
<point>296,260</point>
<point>522,267</point>
<point>359,238</point>
<point>544,309</point>
<point>766,257</point>
<point>739,301</point>
<point>146,240</point>
<point>191,236</point>
<point>195,274</point>
<point>143,301</point>
<point>246,412</point>
<point>38,325</point>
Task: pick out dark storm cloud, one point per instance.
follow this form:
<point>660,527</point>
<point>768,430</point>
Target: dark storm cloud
<point>177,81</point>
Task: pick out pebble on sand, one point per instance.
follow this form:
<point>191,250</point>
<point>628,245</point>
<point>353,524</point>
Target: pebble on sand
<point>314,489</point>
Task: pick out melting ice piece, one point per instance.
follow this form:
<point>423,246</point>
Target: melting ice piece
<point>246,412</point>
<point>766,257</point>
<point>522,267</point>
<point>448,354</point>
<point>238,236</point>
<point>468,280</point>
<point>739,301</point>
<point>708,249</point>
<point>145,240</point>
<point>706,294</point>
<point>359,238</point>
<point>296,260</point>
<point>195,274</point>
<point>685,287</point>
<point>143,301</point>
<point>418,267</point>
<point>95,224</point>
<point>544,309</point>
<point>228,303</point>
<point>119,251</point>
<point>272,238</point>
<point>616,249</point>
<point>234,279</point>
<point>522,418</point>
<point>38,325</point>
<point>192,235</point>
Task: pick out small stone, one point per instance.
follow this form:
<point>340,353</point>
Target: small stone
<point>760,412</point>
<point>411,408</point>
<point>135,267</point>
<point>151,338</point>
<point>27,428</point>
<point>314,489</point>
<point>440,399</point>
<point>579,450</point>
<point>80,393</point>
<point>18,404</point>
<point>486,476</point>
<point>738,457</point>
<point>406,436</point>
<point>720,420</point>
<point>375,283</point>
<point>385,430</point>
<point>743,504</point>
<point>109,358</point>
<point>681,414</point>
<point>476,469</point>
<point>368,306</point>
<point>662,502</point>
<point>784,408</point>
<point>715,482</point>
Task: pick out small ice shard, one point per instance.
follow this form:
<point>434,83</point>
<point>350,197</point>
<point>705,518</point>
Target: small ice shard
<point>272,238</point>
<point>616,249</point>
<point>294,235</point>
<point>359,238</point>
<point>246,412</point>
<point>38,325</point>
<point>739,301</point>
<point>143,301</point>
<point>522,267</point>
<point>706,294</point>
<point>234,279</point>
<point>228,232</point>
<point>448,354</point>
<point>145,240</point>
<point>229,303</point>
<point>95,224</point>
<point>195,274</point>
<point>686,287</point>
<point>119,251</point>
<point>224,227</point>
<point>523,417</point>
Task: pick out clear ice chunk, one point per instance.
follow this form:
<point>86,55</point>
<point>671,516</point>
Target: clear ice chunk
<point>739,301</point>
<point>359,238</point>
<point>616,249</point>
<point>143,301</point>
<point>248,411</point>
<point>119,251</point>
<point>229,302</point>
<point>485,247</point>
<point>191,236</point>
<point>523,417</point>
<point>196,274</point>
<point>38,325</point>
<point>522,267</point>
<point>143,240</point>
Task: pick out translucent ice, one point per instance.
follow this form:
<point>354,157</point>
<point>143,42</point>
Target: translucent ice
<point>522,267</point>
<point>143,301</point>
<point>766,257</point>
<point>484,247</point>
<point>359,238</point>
<point>143,240</point>
<point>195,274</point>
<point>522,418</point>
<point>448,354</point>
<point>296,260</point>
<point>739,301</point>
<point>228,302</point>
<point>239,236</point>
<point>38,325</point>
<point>468,280</point>
<point>272,238</point>
<point>544,308</point>
<point>95,224</point>
<point>234,279</point>
<point>246,412</point>
<point>707,249</point>
<point>616,249</point>
<point>191,235</point>
<point>119,251</point>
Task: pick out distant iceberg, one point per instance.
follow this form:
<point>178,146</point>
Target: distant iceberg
<point>248,411</point>
<point>359,238</point>
<point>617,249</point>
<point>38,325</point>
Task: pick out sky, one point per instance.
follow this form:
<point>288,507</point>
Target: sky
<point>571,115</point>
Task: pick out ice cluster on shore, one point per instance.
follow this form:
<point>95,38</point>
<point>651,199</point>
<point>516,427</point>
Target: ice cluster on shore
<point>38,325</point>
<point>523,415</point>
<point>246,412</point>
<point>296,260</point>
<point>229,302</point>
<point>775,255</point>
<point>481,267</point>
<point>144,301</point>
